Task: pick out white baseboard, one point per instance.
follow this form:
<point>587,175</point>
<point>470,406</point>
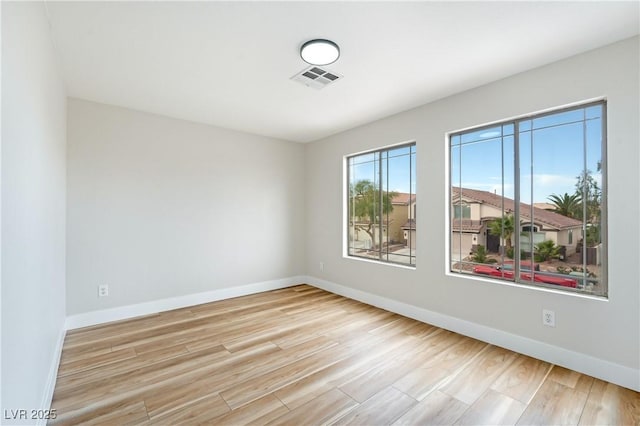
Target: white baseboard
<point>131,311</point>
<point>586,364</point>
<point>53,375</point>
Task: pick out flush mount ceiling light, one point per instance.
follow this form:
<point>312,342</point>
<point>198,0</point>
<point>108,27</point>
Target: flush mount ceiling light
<point>320,52</point>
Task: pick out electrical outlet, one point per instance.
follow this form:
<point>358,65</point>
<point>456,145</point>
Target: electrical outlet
<point>321,266</point>
<point>548,318</point>
<point>103,290</point>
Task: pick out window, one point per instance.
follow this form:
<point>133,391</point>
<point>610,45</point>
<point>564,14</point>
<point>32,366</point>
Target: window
<point>381,188</point>
<point>514,172</point>
<point>461,211</point>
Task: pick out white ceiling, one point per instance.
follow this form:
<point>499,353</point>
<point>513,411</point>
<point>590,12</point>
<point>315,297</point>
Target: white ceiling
<point>229,63</point>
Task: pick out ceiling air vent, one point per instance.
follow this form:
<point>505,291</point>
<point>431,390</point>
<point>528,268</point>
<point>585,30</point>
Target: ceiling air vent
<point>316,77</point>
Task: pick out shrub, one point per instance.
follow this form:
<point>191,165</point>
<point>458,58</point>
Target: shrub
<point>546,250</point>
<point>523,254</point>
<point>579,269</point>
<point>480,256</point>
<point>510,252</point>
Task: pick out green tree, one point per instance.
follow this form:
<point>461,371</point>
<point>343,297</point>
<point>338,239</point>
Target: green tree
<point>590,194</point>
<point>546,250</point>
<point>503,227</point>
<point>367,204</point>
<point>567,205</point>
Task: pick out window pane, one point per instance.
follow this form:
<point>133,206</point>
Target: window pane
<point>400,171</point>
<point>480,177</point>
<point>381,197</point>
<point>561,118</point>
<point>456,198</point>
<point>594,111</point>
<point>593,207</point>
<point>557,160</point>
<point>481,135</point>
<point>405,150</point>
<point>363,184</point>
<point>507,129</point>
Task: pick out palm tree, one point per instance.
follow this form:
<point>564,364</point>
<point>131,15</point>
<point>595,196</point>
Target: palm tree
<point>504,227</point>
<point>567,205</point>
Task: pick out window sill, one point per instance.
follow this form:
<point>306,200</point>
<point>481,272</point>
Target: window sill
<point>527,286</point>
<point>379,262</point>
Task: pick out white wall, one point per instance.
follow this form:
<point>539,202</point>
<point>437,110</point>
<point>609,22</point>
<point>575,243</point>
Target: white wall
<point>161,208</point>
<point>33,208</point>
<point>606,330</point>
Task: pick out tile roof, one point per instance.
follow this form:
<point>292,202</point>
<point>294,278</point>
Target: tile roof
<point>467,225</point>
<point>410,224</point>
<point>544,206</point>
<point>546,217</point>
<point>403,198</point>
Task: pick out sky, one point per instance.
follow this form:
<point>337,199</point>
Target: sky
<point>398,169</point>
<point>552,156</point>
<point>553,150</point>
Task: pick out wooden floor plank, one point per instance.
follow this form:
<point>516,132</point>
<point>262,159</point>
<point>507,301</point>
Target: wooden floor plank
<point>420,329</point>
<point>436,409</point>
<point>124,412</point>
<point>386,372</point>
<point>258,412</point>
<point>321,410</point>
<point>124,368</point>
<point>201,411</point>
<point>493,408</point>
<point>301,355</point>
<point>304,390</point>
<point>270,333</point>
<point>95,361</point>
<point>476,377</point>
<point>522,378</point>
<point>257,387</point>
<point>72,354</point>
<point>448,353</point>
<point>554,404</point>
<point>135,382</point>
<point>401,324</point>
<point>609,404</point>
<point>383,408</point>
<point>238,369</point>
<point>571,379</point>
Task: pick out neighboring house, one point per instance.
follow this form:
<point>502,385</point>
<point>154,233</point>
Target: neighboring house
<point>394,228</point>
<point>472,212</point>
<point>361,237</point>
<point>409,227</point>
<point>403,203</point>
<point>545,206</point>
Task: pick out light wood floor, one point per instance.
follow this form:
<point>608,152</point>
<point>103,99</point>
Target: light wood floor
<point>304,356</point>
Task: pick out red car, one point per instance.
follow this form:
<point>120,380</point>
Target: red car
<point>506,271</point>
